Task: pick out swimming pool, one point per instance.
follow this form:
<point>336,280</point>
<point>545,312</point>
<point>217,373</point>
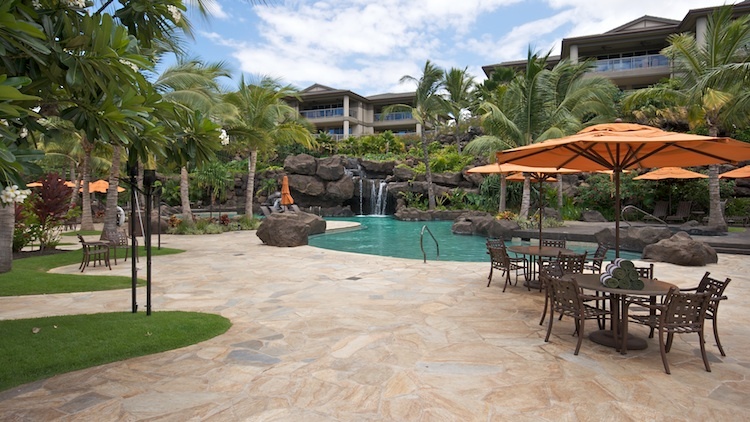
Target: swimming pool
<point>386,236</point>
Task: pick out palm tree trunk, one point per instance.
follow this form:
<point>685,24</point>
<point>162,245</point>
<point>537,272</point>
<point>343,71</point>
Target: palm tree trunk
<point>428,174</point>
<point>7,221</point>
<point>559,192</point>
<point>74,179</point>
<point>503,193</point>
<point>87,219</point>
<point>715,213</point>
<point>251,163</point>
<point>187,213</point>
<point>110,210</point>
<point>526,197</point>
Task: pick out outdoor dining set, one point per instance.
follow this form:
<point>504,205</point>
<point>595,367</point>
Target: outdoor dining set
<point>98,251</point>
<point>581,288</point>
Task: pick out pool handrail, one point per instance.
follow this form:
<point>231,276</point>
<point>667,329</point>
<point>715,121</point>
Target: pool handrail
<point>421,243</point>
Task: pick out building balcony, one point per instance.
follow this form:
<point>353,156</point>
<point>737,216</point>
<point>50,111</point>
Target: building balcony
<point>404,115</point>
<point>327,113</point>
<point>631,63</point>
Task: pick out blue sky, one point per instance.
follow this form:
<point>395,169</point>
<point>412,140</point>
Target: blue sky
<point>366,46</point>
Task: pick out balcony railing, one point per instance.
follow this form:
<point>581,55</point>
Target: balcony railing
<point>630,63</point>
<point>403,115</point>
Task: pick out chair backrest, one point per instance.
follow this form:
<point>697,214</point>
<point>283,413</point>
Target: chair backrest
<point>117,237</point>
<point>684,312</point>
<point>555,243</point>
<point>601,250</point>
<point>565,294</point>
<point>715,286</point>
<point>81,239</point>
<point>661,209</point>
<point>499,257</point>
<point>495,242</point>
<point>683,208</point>
<point>645,272</point>
<point>572,263</point>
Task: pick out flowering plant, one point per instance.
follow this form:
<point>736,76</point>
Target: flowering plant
<point>224,137</point>
<point>12,194</point>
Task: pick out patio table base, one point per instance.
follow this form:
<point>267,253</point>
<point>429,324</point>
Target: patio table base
<point>607,338</point>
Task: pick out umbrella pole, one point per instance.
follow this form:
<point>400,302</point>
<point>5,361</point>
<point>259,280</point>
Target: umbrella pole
<point>616,177</point>
<point>541,209</point>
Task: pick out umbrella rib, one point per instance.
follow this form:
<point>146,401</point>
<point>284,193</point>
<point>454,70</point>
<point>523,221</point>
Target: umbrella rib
<point>587,154</point>
<point>707,154</point>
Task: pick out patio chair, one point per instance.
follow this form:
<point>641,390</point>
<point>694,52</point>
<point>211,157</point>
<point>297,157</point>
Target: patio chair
<point>567,298</point>
<point>555,243</point>
<point>716,287</point>
<point>119,240</point>
<point>682,213</point>
<point>661,209</point>
<point>681,313</point>
<point>552,269</point>
<point>595,262</point>
<point>572,263</point>
<point>500,260</point>
<point>96,251</point>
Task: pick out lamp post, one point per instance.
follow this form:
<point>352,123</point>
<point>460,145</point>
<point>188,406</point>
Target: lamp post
<point>149,177</point>
<point>133,173</point>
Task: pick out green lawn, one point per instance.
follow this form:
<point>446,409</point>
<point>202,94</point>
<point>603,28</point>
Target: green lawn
<point>29,276</point>
<point>38,348</point>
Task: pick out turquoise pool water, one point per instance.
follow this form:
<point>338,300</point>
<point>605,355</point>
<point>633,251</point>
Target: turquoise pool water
<point>386,236</point>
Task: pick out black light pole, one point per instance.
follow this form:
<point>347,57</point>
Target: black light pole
<point>149,177</point>
<point>133,173</point>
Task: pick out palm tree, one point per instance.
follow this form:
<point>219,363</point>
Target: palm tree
<point>711,80</point>
<point>458,85</point>
<point>192,85</point>
<point>540,104</point>
<point>259,120</point>
<point>427,110</point>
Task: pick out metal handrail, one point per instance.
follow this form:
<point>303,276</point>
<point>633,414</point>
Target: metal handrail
<point>627,208</point>
<point>421,243</point>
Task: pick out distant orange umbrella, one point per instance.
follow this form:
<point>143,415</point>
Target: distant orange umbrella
<point>101,186</point>
<point>34,185</point>
<point>519,177</point>
<point>671,173</point>
<point>286,195</point>
<point>740,173</point>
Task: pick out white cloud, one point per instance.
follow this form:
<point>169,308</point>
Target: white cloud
<point>367,46</point>
<point>215,10</point>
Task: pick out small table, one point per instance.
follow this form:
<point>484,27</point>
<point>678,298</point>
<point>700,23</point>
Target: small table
<point>611,337</point>
<point>535,251</point>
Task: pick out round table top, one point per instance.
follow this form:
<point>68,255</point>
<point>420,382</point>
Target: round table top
<point>650,287</point>
<point>539,250</point>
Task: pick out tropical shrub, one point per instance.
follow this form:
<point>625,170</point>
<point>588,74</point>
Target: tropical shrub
<point>42,216</point>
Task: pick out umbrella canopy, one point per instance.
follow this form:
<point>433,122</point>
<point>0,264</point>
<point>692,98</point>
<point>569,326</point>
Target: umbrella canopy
<point>519,177</point>
<point>671,173</point>
<point>622,146</point>
<point>740,173</point>
<point>286,195</point>
<point>101,186</point>
<point>537,174</point>
<point>39,184</point>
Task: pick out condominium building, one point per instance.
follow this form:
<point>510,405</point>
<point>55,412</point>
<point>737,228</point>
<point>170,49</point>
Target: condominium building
<point>630,55</point>
<point>342,113</point>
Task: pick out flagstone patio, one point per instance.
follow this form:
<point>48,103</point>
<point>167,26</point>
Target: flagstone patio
<point>320,335</point>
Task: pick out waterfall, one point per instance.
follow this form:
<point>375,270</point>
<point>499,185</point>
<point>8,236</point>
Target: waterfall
<point>378,198</point>
<point>361,198</point>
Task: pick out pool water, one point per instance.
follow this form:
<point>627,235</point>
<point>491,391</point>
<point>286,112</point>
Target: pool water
<point>386,236</point>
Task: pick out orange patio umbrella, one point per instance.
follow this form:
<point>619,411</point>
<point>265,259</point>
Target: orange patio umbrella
<point>740,173</point>
<point>671,173</point>
<point>537,174</point>
<point>627,146</point>
<point>519,177</point>
<point>286,195</point>
<point>101,186</point>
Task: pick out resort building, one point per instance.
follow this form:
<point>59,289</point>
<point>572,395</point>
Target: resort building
<point>629,55</point>
<point>342,113</point>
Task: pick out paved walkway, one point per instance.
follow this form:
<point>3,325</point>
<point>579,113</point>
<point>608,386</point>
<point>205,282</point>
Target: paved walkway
<point>320,335</point>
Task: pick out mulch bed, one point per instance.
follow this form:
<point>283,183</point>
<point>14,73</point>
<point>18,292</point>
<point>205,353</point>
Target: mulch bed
<point>30,254</point>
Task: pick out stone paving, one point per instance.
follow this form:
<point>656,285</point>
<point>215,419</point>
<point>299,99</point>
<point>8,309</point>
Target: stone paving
<point>320,335</point>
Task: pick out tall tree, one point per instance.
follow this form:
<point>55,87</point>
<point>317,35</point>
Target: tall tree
<point>259,120</point>
<point>711,78</point>
<point>427,110</point>
<point>458,97</point>
<point>193,86</point>
<point>541,104</point>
